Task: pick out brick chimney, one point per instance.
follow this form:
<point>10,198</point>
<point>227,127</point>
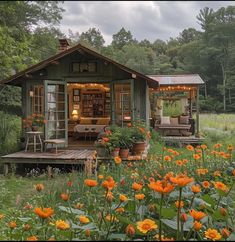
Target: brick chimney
<point>64,44</point>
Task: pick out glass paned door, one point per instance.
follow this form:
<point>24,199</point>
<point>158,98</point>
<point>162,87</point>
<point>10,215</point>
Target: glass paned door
<point>122,96</point>
<point>56,110</point>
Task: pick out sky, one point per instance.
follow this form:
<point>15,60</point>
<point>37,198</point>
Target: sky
<point>145,19</point>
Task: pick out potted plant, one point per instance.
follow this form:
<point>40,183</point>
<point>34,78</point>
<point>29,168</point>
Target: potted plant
<point>34,121</point>
<point>101,146</point>
<point>139,137</point>
<point>125,142</point>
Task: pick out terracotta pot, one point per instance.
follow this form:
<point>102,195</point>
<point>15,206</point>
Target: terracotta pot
<point>124,153</point>
<point>115,152</point>
<point>138,148</point>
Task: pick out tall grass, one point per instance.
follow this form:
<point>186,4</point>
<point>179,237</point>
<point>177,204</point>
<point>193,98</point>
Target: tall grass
<point>10,130</point>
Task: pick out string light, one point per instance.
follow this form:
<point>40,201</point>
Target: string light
<point>89,85</point>
<point>175,88</point>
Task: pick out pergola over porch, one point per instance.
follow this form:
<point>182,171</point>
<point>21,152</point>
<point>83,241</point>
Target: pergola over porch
<point>178,84</point>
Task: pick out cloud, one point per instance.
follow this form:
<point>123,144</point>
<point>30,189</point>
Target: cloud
<point>145,19</point>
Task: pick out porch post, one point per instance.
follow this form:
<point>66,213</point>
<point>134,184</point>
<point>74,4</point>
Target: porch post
<point>197,113</point>
<point>112,103</point>
<point>132,100</point>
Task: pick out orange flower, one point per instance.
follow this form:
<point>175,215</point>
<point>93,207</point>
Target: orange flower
<point>185,161</point>
<point>39,187</point>
<point>183,217</point>
<point>12,224</point>
<point>79,205</point>
<point>157,237</point>
<point>90,182</point>
<point>201,171</point>
<point>120,210</point>
<point>130,230</point>
<point>2,216</point>
<point>62,225</point>
<point>203,146</point>
<point>84,219</point>
<point>217,173</point>
<point>167,158</point>
<point>225,233</point>
<point>111,218</point>
<point>139,196</point>
<point>44,212</point>
<point>109,196</point>
<point>212,234</point>
<point>179,162</point>
<point>206,184</point>
<point>168,175</point>
<point>221,186</point>
<point>137,186</point>
<point>109,183</point>
<point>190,147</point>
<point>197,225</point>
<point>122,198</point>
<point>129,125</point>
<point>69,183</point>
<point>230,148</point>
<point>196,156</point>
<point>87,232</point>
<point>233,172</point>
<point>223,212</point>
<point>118,160</point>
<point>64,196</point>
<point>217,146</point>
<point>162,187</point>
<point>181,180</point>
<point>197,215</point>
<point>195,188</point>
<point>146,225</point>
<point>179,204</point>
<point>100,177</point>
<point>27,227</point>
<point>32,238</point>
<point>105,139</point>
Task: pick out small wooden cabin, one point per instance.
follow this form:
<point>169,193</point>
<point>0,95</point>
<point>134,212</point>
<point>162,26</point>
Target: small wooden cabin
<point>81,84</point>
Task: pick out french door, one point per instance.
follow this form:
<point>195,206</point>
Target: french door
<point>56,110</point>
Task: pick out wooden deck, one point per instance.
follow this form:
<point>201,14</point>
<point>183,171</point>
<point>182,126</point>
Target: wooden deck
<point>65,157</point>
<point>183,140</point>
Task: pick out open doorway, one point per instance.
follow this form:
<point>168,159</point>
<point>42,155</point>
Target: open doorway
<point>89,111</point>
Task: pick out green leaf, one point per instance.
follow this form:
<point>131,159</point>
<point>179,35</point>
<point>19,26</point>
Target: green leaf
<point>71,210</point>
<point>90,226</point>
<point>120,237</point>
<point>25,220</point>
<point>168,213</point>
<point>218,216</point>
<point>209,200</point>
<point>124,220</point>
<point>173,224</point>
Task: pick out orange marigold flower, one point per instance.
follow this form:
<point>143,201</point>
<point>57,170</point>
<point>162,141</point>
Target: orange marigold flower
<point>105,139</point>
<point>62,225</point>
<point>201,171</point>
<point>203,146</point>
<point>212,234</point>
<point>225,233</point>
<point>206,184</point>
<point>120,210</point>
<point>190,147</point>
<point>109,183</point>
<point>109,196</point>
<point>2,216</point>
<point>157,237</point>
<point>217,173</point>
<point>167,158</point>
<point>90,182</point>
<point>129,125</point>
<point>233,172</point>
<point>179,204</point>
<point>122,198</point>
<point>197,215</point>
<point>44,212</point>
<point>197,225</point>
<point>12,224</point>
<point>139,196</point>
<point>195,188</point>
<point>27,227</point>
<point>111,218</point>
<point>130,230</point>
<point>79,205</point>
<point>168,175</point>
<point>100,177</point>
<point>136,186</point>
<point>162,187</point>
<point>64,196</point>
<point>87,232</point>
<point>69,183</point>
<point>39,187</point>
<point>217,146</point>
<point>196,156</point>
<point>179,162</point>
<point>221,186</point>
<point>185,161</point>
<point>181,180</point>
<point>83,219</point>
<point>32,238</point>
<point>118,160</point>
<point>146,225</point>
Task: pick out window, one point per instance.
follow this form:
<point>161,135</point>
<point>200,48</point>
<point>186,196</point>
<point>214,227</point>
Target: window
<point>82,67</point>
<point>37,99</point>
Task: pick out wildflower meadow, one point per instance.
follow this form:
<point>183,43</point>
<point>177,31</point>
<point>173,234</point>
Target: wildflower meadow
<point>177,194</point>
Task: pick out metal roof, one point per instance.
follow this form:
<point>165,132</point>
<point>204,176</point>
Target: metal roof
<point>182,79</point>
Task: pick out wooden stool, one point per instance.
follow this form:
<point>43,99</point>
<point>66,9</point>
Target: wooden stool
<point>54,142</point>
<point>34,135</point>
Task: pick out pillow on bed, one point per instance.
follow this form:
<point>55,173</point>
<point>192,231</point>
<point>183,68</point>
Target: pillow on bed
<point>85,121</point>
<point>165,120</point>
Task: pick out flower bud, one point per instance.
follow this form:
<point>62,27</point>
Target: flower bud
<point>183,217</point>
<point>223,211</point>
<point>130,230</point>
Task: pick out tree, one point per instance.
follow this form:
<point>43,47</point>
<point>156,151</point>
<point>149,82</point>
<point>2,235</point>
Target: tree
<point>93,37</point>
<point>121,38</point>
<point>188,35</point>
